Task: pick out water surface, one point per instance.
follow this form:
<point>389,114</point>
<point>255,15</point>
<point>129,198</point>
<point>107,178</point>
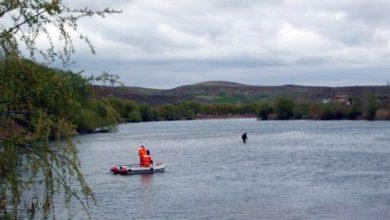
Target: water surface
<point>287,170</point>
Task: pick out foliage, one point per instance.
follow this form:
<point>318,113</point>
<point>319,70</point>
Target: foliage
<point>225,98</point>
<point>301,111</point>
<point>101,115</point>
<point>196,108</point>
<point>284,108</point>
<point>168,112</point>
<point>332,111</point>
<point>372,106</point>
<point>235,98</point>
<point>353,112</point>
<point>263,110</point>
<point>23,22</point>
<point>38,105</point>
<point>156,116</point>
<point>145,113</point>
<point>134,116</point>
<point>123,107</point>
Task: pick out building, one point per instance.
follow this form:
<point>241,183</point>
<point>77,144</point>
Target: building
<point>342,98</point>
<point>326,100</point>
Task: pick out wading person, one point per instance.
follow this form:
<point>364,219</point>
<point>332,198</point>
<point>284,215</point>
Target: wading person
<point>244,138</point>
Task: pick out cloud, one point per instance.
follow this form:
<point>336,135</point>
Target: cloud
<point>163,43</point>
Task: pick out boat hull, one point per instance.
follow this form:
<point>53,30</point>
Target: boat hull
<point>137,169</point>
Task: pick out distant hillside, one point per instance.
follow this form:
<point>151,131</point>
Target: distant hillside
<point>230,92</point>
<point>218,83</point>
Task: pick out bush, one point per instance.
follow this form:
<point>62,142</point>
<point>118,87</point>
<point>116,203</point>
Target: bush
<point>284,108</point>
<point>156,115</point>
<point>134,116</point>
<point>263,110</point>
<point>332,111</point>
<point>353,112</point>
<point>372,106</point>
<point>168,112</point>
<point>301,111</point>
<point>145,112</point>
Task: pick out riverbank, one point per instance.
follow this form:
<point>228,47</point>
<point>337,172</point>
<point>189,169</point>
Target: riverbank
<point>207,117</point>
<point>249,116</point>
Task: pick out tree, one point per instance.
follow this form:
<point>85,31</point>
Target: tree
<point>263,110</point>
<point>372,106</point>
<point>23,22</point>
<point>284,108</point>
<point>353,112</point>
<point>196,108</point>
<point>156,116</point>
<point>36,109</point>
<point>168,112</point>
<point>247,109</point>
<point>145,112</point>
<point>301,110</point>
<point>186,111</point>
<point>134,116</point>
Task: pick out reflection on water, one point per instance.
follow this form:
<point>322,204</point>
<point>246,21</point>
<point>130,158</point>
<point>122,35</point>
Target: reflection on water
<point>146,180</point>
<point>287,170</point>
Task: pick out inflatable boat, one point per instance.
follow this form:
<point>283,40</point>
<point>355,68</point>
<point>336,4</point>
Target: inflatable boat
<point>137,169</point>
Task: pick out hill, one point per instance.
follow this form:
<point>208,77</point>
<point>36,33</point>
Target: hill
<point>230,92</point>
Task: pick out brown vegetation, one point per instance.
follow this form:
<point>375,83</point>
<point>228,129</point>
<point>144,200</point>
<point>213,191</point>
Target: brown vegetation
<point>227,92</point>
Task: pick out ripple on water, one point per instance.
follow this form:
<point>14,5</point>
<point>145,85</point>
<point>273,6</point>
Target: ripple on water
<point>287,170</point>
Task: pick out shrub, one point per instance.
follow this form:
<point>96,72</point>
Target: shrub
<point>263,110</point>
<point>134,116</point>
<point>284,108</point>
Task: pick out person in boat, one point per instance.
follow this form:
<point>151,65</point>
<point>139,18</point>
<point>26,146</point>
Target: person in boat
<point>146,160</point>
<point>141,152</point>
<point>244,137</point>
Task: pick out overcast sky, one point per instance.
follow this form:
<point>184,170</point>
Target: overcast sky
<point>163,44</point>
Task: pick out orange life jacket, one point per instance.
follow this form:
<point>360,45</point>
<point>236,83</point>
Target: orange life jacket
<point>146,161</point>
<point>142,151</point>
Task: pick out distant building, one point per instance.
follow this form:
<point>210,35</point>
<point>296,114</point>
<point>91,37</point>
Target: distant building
<point>342,98</point>
<point>326,100</point>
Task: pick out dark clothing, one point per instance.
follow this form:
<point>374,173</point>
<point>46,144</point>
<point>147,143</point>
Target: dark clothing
<point>244,137</point>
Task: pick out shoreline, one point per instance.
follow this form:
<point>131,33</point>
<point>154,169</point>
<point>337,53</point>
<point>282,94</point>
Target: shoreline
<point>248,116</point>
<point>206,117</point>
<point>255,117</point>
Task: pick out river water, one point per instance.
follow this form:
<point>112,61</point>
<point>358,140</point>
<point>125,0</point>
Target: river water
<point>287,170</point>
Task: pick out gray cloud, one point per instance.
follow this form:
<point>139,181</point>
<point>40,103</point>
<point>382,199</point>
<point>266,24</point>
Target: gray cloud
<point>168,43</point>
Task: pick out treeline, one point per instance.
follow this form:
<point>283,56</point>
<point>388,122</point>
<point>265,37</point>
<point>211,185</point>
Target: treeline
<point>288,109</point>
<point>282,109</point>
<point>131,111</point>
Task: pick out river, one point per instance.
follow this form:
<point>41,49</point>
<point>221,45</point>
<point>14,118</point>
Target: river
<point>287,170</point>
